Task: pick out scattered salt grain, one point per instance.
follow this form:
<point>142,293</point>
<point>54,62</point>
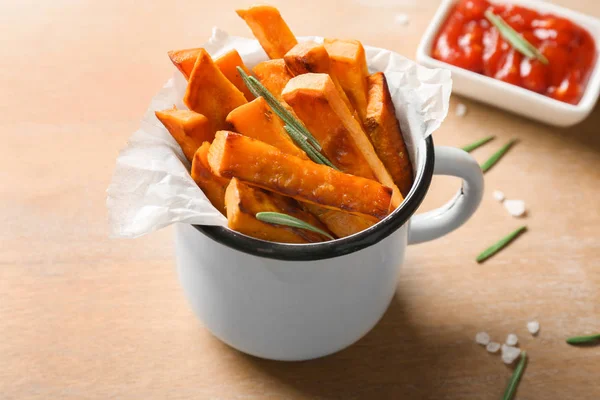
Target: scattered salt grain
<point>498,196</point>
<point>461,110</point>
<point>510,354</point>
<point>512,339</point>
<point>516,208</point>
<point>482,338</point>
<point>402,19</point>
<point>533,327</point>
<point>493,347</point>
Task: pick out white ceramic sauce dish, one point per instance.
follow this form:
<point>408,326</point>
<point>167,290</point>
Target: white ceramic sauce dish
<point>511,97</point>
<point>298,302</point>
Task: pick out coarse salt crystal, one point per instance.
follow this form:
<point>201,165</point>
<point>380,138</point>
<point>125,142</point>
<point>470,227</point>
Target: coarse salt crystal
<point>498,195</point>
<point>402,19</point>
<point>516,208</point>
<point>512,339</point>
<point>461,110</point>
<point>482,338</point>
<point>533,327</point>
<point>493,347</point>
<point>510,354</point>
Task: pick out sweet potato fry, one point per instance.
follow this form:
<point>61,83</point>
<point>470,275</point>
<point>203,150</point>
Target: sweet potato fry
<point>274,75</point>
<point>244,202</point>
<point>318,104</point>
<point>258,121</point>
<point>341,223</point>
<point>227,63</point>
<point>262,165</point>
<point>309,57</point>
<point>270,29</point>
<point>210,93</point>
<point>349,66</point>
<point>212,185</point>
<point>383,128</point>
<point>184,60</point>
<point>187,127</point>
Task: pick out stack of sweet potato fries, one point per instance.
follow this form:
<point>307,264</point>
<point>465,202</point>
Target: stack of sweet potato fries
<point>308,134</point>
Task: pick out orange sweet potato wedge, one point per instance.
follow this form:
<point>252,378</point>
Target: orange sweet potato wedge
<point>307,57</point>
<point>270,29</point>
<point>244,202</point>
<point>383,129</point>
<point>228,64</point>
<point>210,93</point>
<point>349,66</point>
<point>212,185</point>
<point>258,121</point>
<point>341,223</point>
<point>188,128</point>
<point>260,164</point>
<point>310,57</point>
<point>317,103</point>
<point>274,75</point>
<point>184,60</point>
<point>309,96</point>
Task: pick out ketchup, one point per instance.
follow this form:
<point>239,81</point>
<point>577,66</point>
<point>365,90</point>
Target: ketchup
<point>468,40</point>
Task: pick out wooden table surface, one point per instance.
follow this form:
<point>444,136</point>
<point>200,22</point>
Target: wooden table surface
<point>83,316</point>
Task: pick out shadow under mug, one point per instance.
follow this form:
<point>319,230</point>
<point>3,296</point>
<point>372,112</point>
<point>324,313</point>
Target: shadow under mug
<point>301,301</point>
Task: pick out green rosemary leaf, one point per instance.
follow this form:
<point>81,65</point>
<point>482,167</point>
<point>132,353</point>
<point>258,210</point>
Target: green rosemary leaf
<point>259,90</point>
<point>499,245</point>
<point>310,151</point>
<point>250,87</point>
<point>515,378</point>
<point>497,156</point>
<point>298,132</point>
<point>516,40</point>
<point>589,339</point>
<point>325,161</point>
<point>284,114</point>
<point>470,147</point>
<point>287,220</point>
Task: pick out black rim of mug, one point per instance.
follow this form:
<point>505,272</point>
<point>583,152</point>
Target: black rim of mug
<point>338,247</point>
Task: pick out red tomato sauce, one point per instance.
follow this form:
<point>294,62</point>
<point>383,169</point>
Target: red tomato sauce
<point>468,40</point>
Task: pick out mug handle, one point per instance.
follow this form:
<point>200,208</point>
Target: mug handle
<point>441,221</point>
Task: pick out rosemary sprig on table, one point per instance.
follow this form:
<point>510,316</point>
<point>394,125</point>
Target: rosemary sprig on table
<point>589,339</point>
<point>516,40</point>
<point>298,132</point>
<point>499,245</point>
<point>287,220</point>
<point>470,147</point>
<point>515,378</point>
<point>497,156</point>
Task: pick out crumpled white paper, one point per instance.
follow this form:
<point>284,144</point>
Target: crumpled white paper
<point>151,187</point>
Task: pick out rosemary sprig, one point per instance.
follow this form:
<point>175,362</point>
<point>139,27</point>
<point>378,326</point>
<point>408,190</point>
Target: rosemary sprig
<point>259,90</point>
<point>298,132</point>
<point>497,156</point>
<point>515,378</point>
<point>499,245</point>
<point>311,152</point>
<point>287,220</point>
<point>516,40</point>
<point>589,339</point>
<point>470,147</point>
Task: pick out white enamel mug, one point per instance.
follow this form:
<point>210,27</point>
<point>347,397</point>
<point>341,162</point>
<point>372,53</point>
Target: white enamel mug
<point>302,301</point>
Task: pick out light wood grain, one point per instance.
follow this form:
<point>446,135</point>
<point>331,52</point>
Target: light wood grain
<point>86,317</point>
